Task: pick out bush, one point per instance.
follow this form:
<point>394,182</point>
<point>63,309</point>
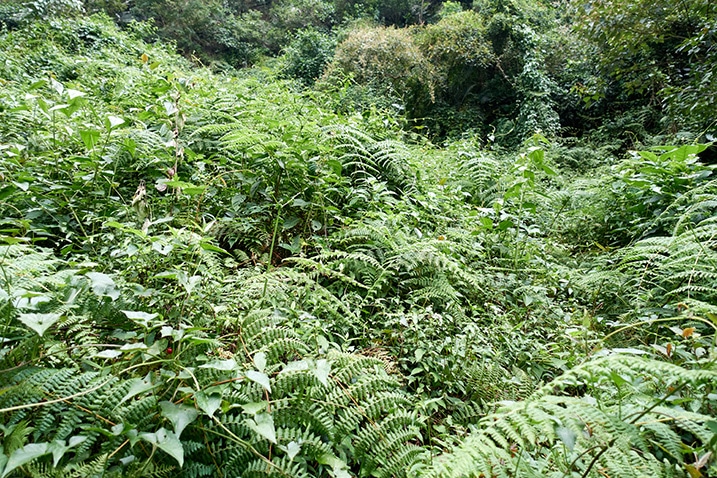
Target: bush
<point>389,59</point>
<point>307,55</point>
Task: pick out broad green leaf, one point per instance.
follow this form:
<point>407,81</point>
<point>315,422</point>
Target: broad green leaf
<point>39,322</point>
<point>103,285</point>
<point>229,364</point>
<point>90,138</point>
<point>170,108</point>
<point>193,191</point>
<point>292,449</point>
<point>260,361</point>
<point>57,86</point>
<point>339,468</point>
<point>25,455</point>
<point>113,121</point>
<point>567,436</point>
<point>290,222</point>
<point>168,331</point>
<point>263,424</point>
<point>179,415</point>
<point>142,318</point>
<point>134,346</point>
<point>260,378</point>
<point>252,408</point>
<point>295,366</point>
<point>212,248</point>
<point>208,403</point>
<point>108,354</point>
<point>619,380</point>
<point>58,447</point>
<point>59,107</point>
<point>72,94</point>
<point>322,371</point>
<point>166,441</point>
<point>137,386</point>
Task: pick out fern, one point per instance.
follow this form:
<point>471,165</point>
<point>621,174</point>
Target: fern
<point>620,434</point>
<point>682,267</point>
<point>364,157</point>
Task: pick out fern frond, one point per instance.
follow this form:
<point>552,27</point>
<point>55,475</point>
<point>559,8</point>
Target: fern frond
<point>623,438</point>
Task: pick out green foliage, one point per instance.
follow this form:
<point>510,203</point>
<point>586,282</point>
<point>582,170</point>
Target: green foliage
<point>388,59</point>
<point>651,187</point>
<point>639,427</point>
<point>326,413</point>
<point>449,8</point>
<point>233,274</point>
<point>657,49</point>
<point>307,55</point>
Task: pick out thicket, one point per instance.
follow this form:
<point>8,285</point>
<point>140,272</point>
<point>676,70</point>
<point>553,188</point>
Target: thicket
<point>231,273</point>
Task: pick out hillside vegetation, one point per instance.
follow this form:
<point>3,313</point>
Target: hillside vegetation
<point>455,241</point>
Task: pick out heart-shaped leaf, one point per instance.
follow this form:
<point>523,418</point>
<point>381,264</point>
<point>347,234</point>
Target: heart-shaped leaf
<point>179,415</point>
<point>39,322</point>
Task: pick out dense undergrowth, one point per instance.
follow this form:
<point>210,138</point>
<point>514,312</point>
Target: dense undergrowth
<point>208,274</point>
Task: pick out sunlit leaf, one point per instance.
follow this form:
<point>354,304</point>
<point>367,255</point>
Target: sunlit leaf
<point>25,455</point>
<point>166,441</point>
<point>103,285</point>
<point>208,403</point>
<point>263,424</point>
<point>39,322</point>
<point>260,378</point>
<point>179,415</point>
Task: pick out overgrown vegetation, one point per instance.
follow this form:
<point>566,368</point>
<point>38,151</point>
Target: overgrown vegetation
<point>450,244</point>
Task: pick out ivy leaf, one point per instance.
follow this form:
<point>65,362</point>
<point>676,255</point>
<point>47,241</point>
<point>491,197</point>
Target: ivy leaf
<point>166,441</point>
<point>39,322</point>
<point>142,318</point>
<point>208,403</point>
<point>322,371</point>
<point>263,424</point>
<point>25,455</point>
<point>138,385</point>
<point>179,415</point>
<point>260,378</point>
<point>103,285</point>
<point>229,364</point>
<point>260,361</point>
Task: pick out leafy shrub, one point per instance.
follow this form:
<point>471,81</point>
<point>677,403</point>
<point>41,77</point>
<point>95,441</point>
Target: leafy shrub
<point>650,187</point>
<point>50,8</point>
<point>654,50</point>
<point>307,55</point>
<point>634,432</point>
<point>389,59</point>
<point>241,282</point>
<point>12,15</point>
